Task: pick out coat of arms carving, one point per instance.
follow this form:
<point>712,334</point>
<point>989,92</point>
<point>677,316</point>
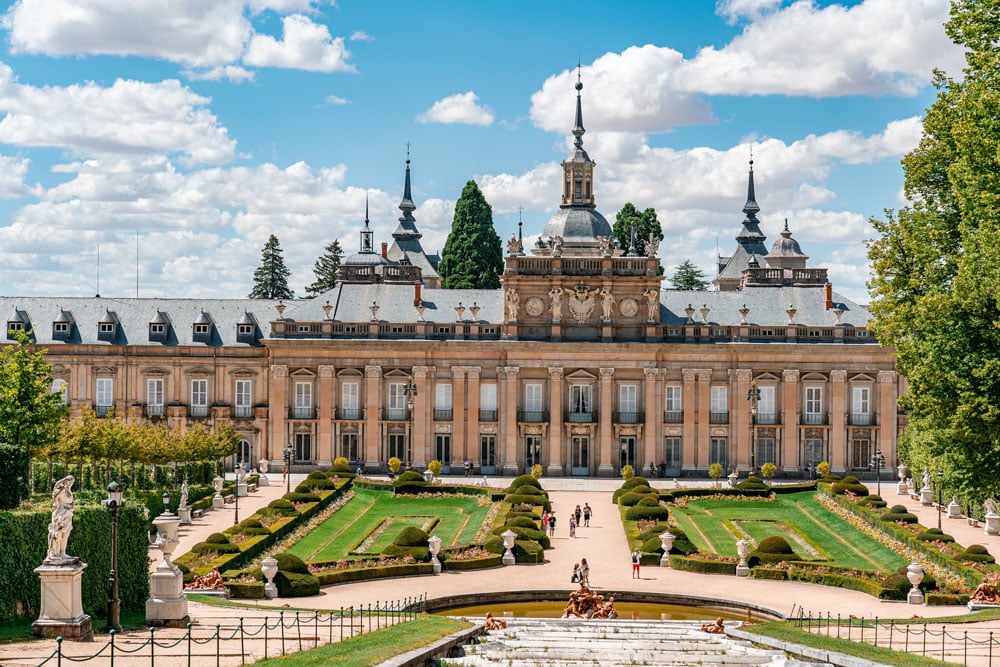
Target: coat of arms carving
<point>582,302</point>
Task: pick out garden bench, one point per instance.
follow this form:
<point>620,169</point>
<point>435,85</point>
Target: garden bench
<point>973,522</point>
<point>231,498</point>
<point>197,514</point>
<point>251,487</point>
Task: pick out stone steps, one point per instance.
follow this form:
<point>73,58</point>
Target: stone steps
<point>556,642</point>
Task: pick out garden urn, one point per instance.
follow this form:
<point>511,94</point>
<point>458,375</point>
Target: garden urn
<point>269,568</point>
<point>902,471</point>
<point>434,544</point>
<point>167,525</point>
<point>742,550</point>
<point>667,542</point>
<point>508,543</point>
<point>428,475</point>
<point>915,574</point>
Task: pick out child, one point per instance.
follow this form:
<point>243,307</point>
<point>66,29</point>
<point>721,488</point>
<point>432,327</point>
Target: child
<point>572,526</point>
<point>552,524</point>
<point>575,578</point>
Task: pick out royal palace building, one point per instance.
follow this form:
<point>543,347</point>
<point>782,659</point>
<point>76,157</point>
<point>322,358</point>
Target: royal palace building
<point>581,362</point>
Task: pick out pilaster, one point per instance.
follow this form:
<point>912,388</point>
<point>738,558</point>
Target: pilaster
<point>887,396</point>
<point>790,416</point>
<point>278,402</point>
<point>742,422</point>
<point>459,445</point>
<point>555,445</point>
<point>472,413</point>
<point>838,420</point>
<point>373,410</point>
<point>325,397</point>
<point>689,393</point>
<point>704,392</point>
<point>653,417</point>
<point>420,419</point>
<point>511,464</point>
<point>605,467</point>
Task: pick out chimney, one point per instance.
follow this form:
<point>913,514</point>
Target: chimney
<point>385,250</point>
<point>417,300</point>
<point>828,293</point>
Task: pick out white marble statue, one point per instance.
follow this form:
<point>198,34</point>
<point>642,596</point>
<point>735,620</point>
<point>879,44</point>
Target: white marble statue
<point>652,305</point>
<point>556,294</point>
<point>652,245</point>
<point>514,246</point>
<point>607,303</point>
<point>184,494</point>
<point>62,521</point>
<point>605,242</point>
<point>512,305</point>
<point>927,478</point>
<point>991,505</point>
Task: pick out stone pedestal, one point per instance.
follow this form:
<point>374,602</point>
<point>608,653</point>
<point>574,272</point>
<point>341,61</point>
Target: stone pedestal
<point>218,502</point>
<point>554,470</point>
<point>902,489</point>
<point>184,513</point>
<point>954,509</point>
<point>605,470</point>
<point>241,490</point>
<point>915,596</point>
<point>262,480</point>
<point>926,496</point>
<point>61,614</point>
<point>167,606</point>
<point>992,524</point>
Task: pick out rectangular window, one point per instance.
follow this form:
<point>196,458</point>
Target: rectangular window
<point>814,405</point>
<point>860,406</point>
<point>581,403</point>
<point>199,397</point>
<point>396,409</point>
<point>244,329</point>
<point>487,451</point>
<point>303,447</point>
<point>396,444</point>
<point>105,396</point>
<point>765,451</point>
<point>61,327</point>
<point>442,401</point>
<point>861,452</point>
<point>243,405</point>
<point>532,450</point>
<point>106,327</point>
<point>765,406</point>
<point>157,328</point>
<point>673,405</point>
<point>349,446</point>
<point>672,455</point>
<point>442,448</point>
<point>718,453</point>
<point>350,400</point>
<point>812,454</point>
<point>303,400</point>
<point>719,413</point>
<point>487,402</point>
<point>628,398</point>
<point>154,397</point>
<point>533,397</point>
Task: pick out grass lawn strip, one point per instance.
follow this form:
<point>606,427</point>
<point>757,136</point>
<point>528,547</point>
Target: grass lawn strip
<point>348,515</point>
<point>374,647</point>
<point>759,530</point>
<point>877,565</point>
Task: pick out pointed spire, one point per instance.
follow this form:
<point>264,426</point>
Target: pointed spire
<point>578,129</point>
<point>366,232</point>
<point>751,208</point>
<point>407,203</point>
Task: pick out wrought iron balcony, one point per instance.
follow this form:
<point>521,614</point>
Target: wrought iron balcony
<point>814,418</point>
<point>628,417</point>
<point>578,417</point>
<point>302,413</point>
<point>487,415</point>
<point>350,413</point>
<point>673,416</point>
<point>718,417</point>
<point>532,416</point>
<point>395,414</point>
<point>198,411</point>
<point>443,415</point>
<point>242,411</point>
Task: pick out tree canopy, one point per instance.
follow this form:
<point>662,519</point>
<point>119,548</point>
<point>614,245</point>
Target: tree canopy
<point>270,279</point>
<point>472,257</point>
<point>936,268</point>
<point>30,415</point>
<point>646,223</point>
<point>325,269</point>
<point>689,277</point>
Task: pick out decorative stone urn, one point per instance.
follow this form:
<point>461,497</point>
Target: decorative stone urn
<point>434,544</point>
<point>218,502</point>
<point>902,471</point>
<point>915,574</point>
<point>734,478</point>
<point>167,605</point>
<point>269,568</point>
<point>262,479</point>
<point>743,550</point>
<point>954,509</point>
<point>991,522</point>
<point>428,476</point>
<point>667,542</point>
<point>508,543</point>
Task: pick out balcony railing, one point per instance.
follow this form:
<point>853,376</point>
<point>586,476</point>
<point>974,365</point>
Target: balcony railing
<point>154,410</point>
<point>814,418</point>
<point>767,417</point>
<point>350,413</point>
<point>395,414</point>
<point>532,416</point>
<point>443,415</point>
<point>673,416</point>
<point>242,411</point>
<point>302,413</point>
<point>718,417</point>
<point>487,415</point>
<point>628,417</point>
<point>578,417</point>
<point>198,411</point>
<point>861,419</point>
<point>103,410</point>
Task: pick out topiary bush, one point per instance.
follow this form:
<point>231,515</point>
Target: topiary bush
<point>529,500</point>
<point>873,501</point>
<point>522,480</point>
<point>291,563</point>
<point>316,474</point>
<point>411,537</point>
<point>649,501</point>
<point>776,544</point>
<point>934,535</point>
<point>898,513</point>
<point>527,551</point>
<point>652,546</point>
<point>523,533</point>
<point>754,483</point>
<point>630,498</point>
<point>217,538</point>
<point>409,477</point>
<point>850,483</point>
<point>522,521</point>
<point>977,553</point>
<point>658,513</point>
<point>300,497</point>
<point>283,507</point>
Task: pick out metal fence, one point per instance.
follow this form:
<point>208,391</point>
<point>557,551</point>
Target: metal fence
<point>247,640</point>
<point>976,646</point>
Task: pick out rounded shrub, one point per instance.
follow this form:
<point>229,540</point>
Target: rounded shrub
<point>408,477</point>
<point>217,538</point>
<point>411,537</point>
<point>850,483</point>
<point>899,517</point>
<point>776,544</point>
<point>291,563</point>
<point>649,501</point>
<point>977,553</point>
<point>533,534</point>
<point>752,483</point>
<point>934,535</point>
<point>300,497</point>
<point>522,480</point>
<point>283,507</point>
<point>655,531</point>
<point>658,513</point>
<point>522,521</point>
<point>215,548</point>
<point>653,546</point>
<point>873,501</point>
<point>398,551</point>
<point>292,585</point>
<point>633,482</point>
<point>523,513</point>
<point>529,500</point>
<point>316,474</point>
<point>630,499</point>
<point>494,544</point>
<point>527,490</point>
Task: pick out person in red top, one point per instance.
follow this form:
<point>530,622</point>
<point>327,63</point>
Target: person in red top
<point>636,557</point>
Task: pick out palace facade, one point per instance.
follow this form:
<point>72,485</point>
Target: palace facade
<point>581,362</point>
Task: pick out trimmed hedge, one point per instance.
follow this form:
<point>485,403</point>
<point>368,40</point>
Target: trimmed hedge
<point>639,512</point>
<point>411,536</point>
<point>242,590</point>
<point>419,554</point>
<point>525,480</point>
<point>687,564</point>
<point>380,572</point>
<point>473,563</point>
<point>532,534</point>
<point>977,553</point>
<point>408,477</point>
<point>946,599</point>
<point>529,500</point>
<point>293,585</point>
<point>934,535</point>
<point>528,551</point>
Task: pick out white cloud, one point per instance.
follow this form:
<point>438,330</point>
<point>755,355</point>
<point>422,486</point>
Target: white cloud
<point>283,6</point>
<point>459,108</point>
<point>129,117</point>
<point>304,45</point>
<point>12,173</point>
<point>736,9</point>
<point>361,36</point>
<point>233,73</point>
<point>336,101</point>
<point>192,32</point>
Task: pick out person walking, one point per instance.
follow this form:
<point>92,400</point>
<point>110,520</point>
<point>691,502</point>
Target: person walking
<point>552,524</point>
<point>587,513</point>
<point>578,515</point>
<point>572,526</point>
<point>584,573</point>
<point>636,558</point>
<point>545,520</point>
<point>575,578</point>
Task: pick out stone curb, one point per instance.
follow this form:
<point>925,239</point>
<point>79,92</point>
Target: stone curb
<point>439,649</point>
<point>839,659</point>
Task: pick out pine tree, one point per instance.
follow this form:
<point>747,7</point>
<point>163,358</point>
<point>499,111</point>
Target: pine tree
<point>472,257</point>
<point>646,223</point>
<point>326,269</point>
<point>689,277</point>
<point>270,280</point>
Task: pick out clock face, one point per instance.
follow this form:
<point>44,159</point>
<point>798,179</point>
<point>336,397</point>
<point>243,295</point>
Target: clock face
<point>534,306</point>
<point>629,307</point>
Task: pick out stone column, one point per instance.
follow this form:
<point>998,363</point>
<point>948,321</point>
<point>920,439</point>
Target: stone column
<point>278,411</point>
<point>459,445</point>
<point>652,397</point>
<point>790,416</point>
<point>689,452</point>
<point>838,420</point>
<point>886,417</point>
<point>472,413</point>
<point>704,410</point>
<point>422,420</point>
<point>511,459</point>
<point>741,406</point>
<point>555,445</point>
<point>373,410</point>
<point>325,397</point>
<point>605,467</point>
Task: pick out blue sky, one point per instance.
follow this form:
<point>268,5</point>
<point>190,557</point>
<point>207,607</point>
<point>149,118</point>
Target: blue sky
<point>199,128</point>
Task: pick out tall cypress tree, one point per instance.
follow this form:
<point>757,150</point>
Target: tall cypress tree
<point>472,257</point>
<point>270,280</point>
<point>325,269</point>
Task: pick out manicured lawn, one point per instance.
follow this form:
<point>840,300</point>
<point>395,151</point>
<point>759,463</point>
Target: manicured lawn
<point>814,533</point>
<point>377,513</point>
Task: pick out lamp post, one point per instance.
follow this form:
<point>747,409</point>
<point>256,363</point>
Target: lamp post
<point>410,391</point>
<point>236,471</point>
<point>753,396</point>
<point>288,468</point>
<point>166,501</point>
<point>940,477</point>
<point>877,462</point>
<point>113,503</point>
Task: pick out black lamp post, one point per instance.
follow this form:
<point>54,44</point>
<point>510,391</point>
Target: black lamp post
<point>236,470</point>
<point>113,503</point>
<point>877,462</point>
<point>410,391</point>
<point>940,477</point>
<point>288,468</point>
<point>753,396</point>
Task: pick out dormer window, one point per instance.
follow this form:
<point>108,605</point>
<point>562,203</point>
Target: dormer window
<point>61,327</point>
<point>15,326</point>
<point>244,330</point>
<point>201,328</point>
<point>106,327</point>
<point>157,328</point>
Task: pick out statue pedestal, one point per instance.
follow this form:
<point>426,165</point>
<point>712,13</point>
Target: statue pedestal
<point>992,524</point>
<point>902,489</point>
<point>926,496</point>
<point>62,602</point>
<point>954,510</point>
<point>167,605</point>
<point>241,490</point>
<point>742,571</point>
<point>184,514</point>
<point>915,596</point>
<point>218,502</point>
<point>262,480</point>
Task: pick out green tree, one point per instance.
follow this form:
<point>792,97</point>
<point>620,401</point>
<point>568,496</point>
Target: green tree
<point>936,268</point>
<point>30,415</point>
<point>689,277</point>
<point>646,223</point>
<point>325,269</point>
<point>270,279</point>
<point>472,257</point>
